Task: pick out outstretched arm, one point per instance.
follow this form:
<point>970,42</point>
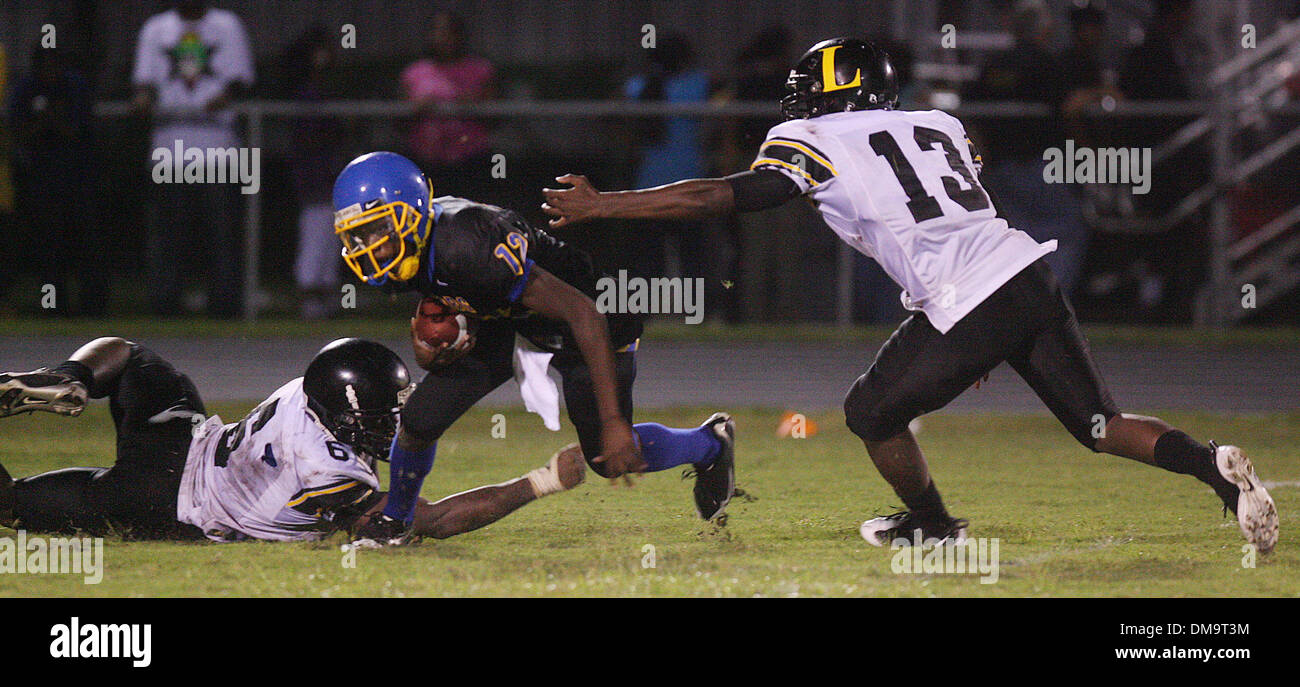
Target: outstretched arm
<point>550,296</point>
<point>690,199</point>
<point>682,200</point>
<point>463,512</point>
<point>472,509</point>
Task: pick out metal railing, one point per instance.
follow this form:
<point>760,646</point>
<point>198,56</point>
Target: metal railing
<point>1241,86</point>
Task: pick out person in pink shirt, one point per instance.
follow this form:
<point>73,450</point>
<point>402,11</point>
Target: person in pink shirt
<point>452,151</point>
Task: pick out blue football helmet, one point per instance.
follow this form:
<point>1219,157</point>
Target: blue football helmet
<point>383,213</point>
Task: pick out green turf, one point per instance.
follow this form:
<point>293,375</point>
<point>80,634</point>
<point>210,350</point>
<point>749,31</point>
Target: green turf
<point>1068,522</point>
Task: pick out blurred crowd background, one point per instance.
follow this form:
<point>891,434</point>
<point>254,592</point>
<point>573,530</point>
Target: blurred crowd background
<point>79,210</point>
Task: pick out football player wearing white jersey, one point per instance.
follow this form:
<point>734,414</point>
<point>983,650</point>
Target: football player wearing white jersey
<point>902,187</point>
<point>299,466</point>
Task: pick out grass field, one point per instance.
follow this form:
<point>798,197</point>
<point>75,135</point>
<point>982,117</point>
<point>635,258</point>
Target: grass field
<point>1069,523</point>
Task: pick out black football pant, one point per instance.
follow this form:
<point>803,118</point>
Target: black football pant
<point>1027,323</point>
<point>150,403</point>
<point>447,392</point>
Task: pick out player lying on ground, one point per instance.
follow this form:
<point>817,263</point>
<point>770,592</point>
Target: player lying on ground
<point>901,188</point>
<point>489,262</point>
<point>299,466</point>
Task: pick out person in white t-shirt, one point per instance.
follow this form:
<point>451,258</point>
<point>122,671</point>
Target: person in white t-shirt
<point>903,188</point>
<point>191,62</point>
<point>299,466</point>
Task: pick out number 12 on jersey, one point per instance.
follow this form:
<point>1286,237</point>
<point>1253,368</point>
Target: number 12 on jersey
<point>514,251</point>
<point>922,205</point>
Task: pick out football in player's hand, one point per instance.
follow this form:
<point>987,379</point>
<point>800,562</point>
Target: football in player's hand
<point>436,324</point>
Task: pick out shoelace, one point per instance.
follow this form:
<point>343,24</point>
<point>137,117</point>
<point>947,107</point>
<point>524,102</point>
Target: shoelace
<point>901,523</point>
<point>906,526</point>
<point>897,515</point>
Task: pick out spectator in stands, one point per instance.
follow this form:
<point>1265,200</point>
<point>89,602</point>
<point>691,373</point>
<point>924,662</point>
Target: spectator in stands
<point>1169,265</point>
<point>319,150</point>
<point>1156,69</point>
<point>1013,154</point>
<point>761,69</point>
<point>1086,78</point>
<point>670,149</point>
<point>1088,83</point>
<point>772,286</point>
<point>6,179</point>
<point>455,152</point>
<point>50,112</point>
<point>191,62</point>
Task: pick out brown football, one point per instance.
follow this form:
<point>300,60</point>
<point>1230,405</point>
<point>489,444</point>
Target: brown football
<point>436,324</point>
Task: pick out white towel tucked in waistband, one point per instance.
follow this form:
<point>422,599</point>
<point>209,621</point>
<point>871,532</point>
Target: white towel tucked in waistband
<point>541,394</point>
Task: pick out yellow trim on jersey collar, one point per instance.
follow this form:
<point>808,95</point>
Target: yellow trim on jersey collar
<point>797,146</point>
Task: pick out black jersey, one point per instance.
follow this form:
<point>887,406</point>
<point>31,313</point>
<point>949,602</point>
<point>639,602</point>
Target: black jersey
<point>482,258</point>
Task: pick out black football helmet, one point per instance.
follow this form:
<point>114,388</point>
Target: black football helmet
<point>840,75</point>
<point>356,389</point>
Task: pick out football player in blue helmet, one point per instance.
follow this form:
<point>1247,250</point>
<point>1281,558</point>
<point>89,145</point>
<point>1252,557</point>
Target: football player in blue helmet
<point>384,213</point>
<point>515,280</point>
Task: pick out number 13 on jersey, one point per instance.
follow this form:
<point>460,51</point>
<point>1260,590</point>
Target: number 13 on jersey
<point>921,204</point>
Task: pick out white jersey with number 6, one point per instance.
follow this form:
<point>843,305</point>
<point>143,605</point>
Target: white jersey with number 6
<point>277,474</point>
<point>903,188</point>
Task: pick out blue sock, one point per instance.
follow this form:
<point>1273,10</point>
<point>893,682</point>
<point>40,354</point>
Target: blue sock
<point>406,473</point>
<point>665,447</point>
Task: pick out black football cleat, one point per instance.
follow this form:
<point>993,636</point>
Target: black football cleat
<point>716,482</point>
<point>380,532</point>
<point>25,392</point>
<point>901,526</point>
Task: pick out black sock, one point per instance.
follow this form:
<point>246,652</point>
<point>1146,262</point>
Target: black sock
<point>927,507</point>
<point>1177,452</point>
<point>76,370</point>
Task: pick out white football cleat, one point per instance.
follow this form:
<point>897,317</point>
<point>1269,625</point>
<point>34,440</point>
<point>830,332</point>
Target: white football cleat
<point>887,529</point>
<point>25,392</point>
<point>1256,513</point>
